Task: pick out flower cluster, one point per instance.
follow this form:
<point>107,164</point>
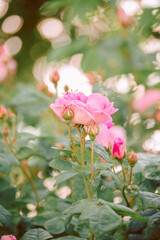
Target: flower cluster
<point>87,111</point>
<point>8,65</point>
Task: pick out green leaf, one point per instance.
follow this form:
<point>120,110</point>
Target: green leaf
<point>152,172</point>
<point>125,211</point>
<point>61,165</point>
<point>51,7</point>
<point>65,176</point>
<point>77,46</point>
<point>6,218</point>
<point>99,150</point>
<point>55,225</point>
<point>78,189</point>
<point>70,238</point>
<point>117,181</point>
<point>104,220</point>
<point>149,200</point>
<point>36,234</point>
<point>6,161</point>
<point>7,193</point>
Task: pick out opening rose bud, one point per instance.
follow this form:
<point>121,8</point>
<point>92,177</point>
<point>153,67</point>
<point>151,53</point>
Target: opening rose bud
<point>132,159</point>
<point>8,237</point>
<point>3,112</point>
<point>93,131</point>
<point>54,77</point>
<point>118,149</point>
<point>67,114</point>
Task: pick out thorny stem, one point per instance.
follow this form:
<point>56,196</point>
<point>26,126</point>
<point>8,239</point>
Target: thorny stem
<point>130,178</point>
<point>27,173</point>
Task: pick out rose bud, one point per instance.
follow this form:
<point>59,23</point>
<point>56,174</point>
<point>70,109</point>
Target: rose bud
<point>5,131</point>
<point>55,77</point>
<point>3,112</point>
<point>118,149</point>
<point>132,159</point>
<point>67,114</point>
<point>66,88</point>
<point>41,86</point>
<point>123,18</point>
<point>93,131</point>
<point>8,237</point>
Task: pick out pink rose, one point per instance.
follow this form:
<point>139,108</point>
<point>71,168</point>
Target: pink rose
<point>150,98</point>
<point>87,110</point>
<point>8,237</point>
<point>118,149</point>
<point>108,133</point>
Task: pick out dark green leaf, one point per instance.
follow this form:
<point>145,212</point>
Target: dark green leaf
<point>78,189</point>
<point>152,172</point>
<point>61,165</point>
<point>6,161</point>
<point>149,200</point>
<point>36,234</point>
<point>65,176</point>
<point>6,218</point>
<point>125,211</point>
<point>55,225</point>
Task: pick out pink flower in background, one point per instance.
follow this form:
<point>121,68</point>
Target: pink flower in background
<point>8,66</point>
<point>94,108</point>
<point>107,134</point>
<point>150,98</point>
<point>3,112</point>
<point>8,237</point>
<point>123,18</point>
<point>118,149</point>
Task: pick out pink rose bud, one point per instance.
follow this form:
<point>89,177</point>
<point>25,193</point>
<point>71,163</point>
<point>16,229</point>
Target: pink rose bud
<point>54,77</point>
<point>93,131</point>
<point>8,237</point>
<point>3,112</point>
<point>132,159</point>
<point>67,114</point>
<point>118,149</point>
<point>123,18</point>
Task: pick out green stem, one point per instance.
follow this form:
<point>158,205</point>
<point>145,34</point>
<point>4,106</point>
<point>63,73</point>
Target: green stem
<point>86,186</point>
<point>123,170</point>
<point>92,170</point>
<point>82,160</point>
<point>113,166</point>
<point>71,139</point>
<point>27,173</point>
<point>125,198</point>
<point>91,236</point>
<point>130,178</point>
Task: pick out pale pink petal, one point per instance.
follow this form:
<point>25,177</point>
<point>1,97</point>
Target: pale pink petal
<point>103,137</point>
<point>150,98</point>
